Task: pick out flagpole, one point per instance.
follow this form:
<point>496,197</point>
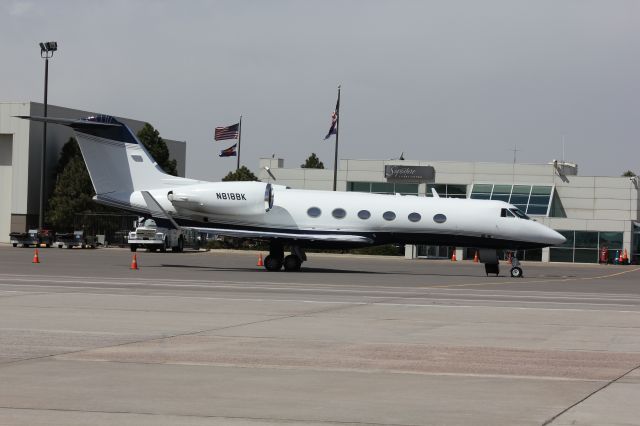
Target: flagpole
<point>335,162</point>
<point>239,137</point>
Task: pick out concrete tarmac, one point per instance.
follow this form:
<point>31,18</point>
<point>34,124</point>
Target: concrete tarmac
<point>212,339</point>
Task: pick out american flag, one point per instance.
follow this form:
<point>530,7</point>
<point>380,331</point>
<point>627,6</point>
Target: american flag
<point>334,120</point>
<point>229,132</point>
<point>229,152</point>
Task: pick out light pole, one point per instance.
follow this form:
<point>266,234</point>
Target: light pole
<point>46,52</point>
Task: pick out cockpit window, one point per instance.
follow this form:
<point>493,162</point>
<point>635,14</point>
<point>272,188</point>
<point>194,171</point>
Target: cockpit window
<point>507,213</point>
<point>520,214</point>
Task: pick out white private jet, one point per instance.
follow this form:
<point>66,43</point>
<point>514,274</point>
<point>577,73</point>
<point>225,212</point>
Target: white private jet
<point>124,175</point>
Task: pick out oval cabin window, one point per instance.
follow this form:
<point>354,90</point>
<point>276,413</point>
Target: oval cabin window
<point>415,217</point>
<point>339,213</point>
<point>439,218</point>
<point>389,215</point>
<point>364,214</point>
<point>314,212</point>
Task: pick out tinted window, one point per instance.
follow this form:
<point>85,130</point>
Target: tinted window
<point>364,214</point>
<point>314,212</point>
<point>338,213</point>
<point>519,214</point>
<point>415,217</point>
<point>389,215</point>
<point>439,218</point>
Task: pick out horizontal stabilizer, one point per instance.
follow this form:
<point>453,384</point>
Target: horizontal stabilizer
<point>76,123</point>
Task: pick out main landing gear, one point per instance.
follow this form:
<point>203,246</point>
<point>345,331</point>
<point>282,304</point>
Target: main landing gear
<point>276,258</point>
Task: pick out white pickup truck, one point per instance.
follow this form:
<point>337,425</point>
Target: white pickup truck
<point>148,235</point>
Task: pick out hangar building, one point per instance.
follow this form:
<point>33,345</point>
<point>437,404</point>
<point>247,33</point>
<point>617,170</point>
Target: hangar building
<point>20,150</point>
<point>592,212</point>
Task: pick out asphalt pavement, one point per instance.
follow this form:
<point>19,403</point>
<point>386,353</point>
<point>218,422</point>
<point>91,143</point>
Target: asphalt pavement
<point>210,338</point>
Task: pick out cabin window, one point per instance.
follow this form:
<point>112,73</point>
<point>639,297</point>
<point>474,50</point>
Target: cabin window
<point>439,218</point>
<point>339,213</point>
<point>314,211</point>
<point>389,215</point>
<point>415,217</point>
<point>364,214</point>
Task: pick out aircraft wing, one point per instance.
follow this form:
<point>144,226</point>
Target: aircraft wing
<point>239,233</point>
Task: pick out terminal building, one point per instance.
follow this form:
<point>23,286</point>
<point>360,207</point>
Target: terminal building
<point>592,212</point>
<point>20,154</point>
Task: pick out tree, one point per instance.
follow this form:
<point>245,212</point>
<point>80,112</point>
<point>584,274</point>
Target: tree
<point>241,174</point>
<point>313,162</point>
<point>73,191</point>
<point>157,147</point>
<point>628,173</point>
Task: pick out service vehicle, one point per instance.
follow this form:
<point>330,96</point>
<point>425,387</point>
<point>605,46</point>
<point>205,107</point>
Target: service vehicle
<point>33,237</point>
<point>152,237</point>
<point>75,239</point>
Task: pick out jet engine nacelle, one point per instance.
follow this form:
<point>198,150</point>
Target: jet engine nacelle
<point>224,198</point>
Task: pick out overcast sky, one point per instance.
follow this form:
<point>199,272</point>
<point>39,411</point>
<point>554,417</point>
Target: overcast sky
<point>437,80</point>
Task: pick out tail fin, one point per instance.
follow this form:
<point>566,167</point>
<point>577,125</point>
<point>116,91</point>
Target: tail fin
<point>116,160</point>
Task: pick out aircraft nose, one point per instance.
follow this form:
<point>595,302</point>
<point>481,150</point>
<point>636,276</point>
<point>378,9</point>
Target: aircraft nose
<point>555,238</point>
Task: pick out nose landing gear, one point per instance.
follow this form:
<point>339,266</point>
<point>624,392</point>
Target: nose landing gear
<point>516,269</point>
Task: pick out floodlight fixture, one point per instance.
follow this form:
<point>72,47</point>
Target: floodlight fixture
<point>47,48</point>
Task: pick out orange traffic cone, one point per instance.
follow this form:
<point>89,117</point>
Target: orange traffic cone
<point>134,262</point>
<point>36,258</point>
<point>260,263</point>
<point>625,257</point>
<point>621,258</point>
<point>475,258</point>
<point>453,257</point>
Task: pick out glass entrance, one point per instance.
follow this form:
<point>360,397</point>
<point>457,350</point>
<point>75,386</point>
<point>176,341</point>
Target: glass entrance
<point>433,252</point>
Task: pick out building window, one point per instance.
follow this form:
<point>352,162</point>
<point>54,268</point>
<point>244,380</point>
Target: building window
<point>585,246</point>
<point>447,190</point>
<point>530,199</point>
<point>338,213</point>
<point>415,217</point>
<point>389,215</point>
<point>364,214</point>
<point>314,212</point>
<point>383,187</point>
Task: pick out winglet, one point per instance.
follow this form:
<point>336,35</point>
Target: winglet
<point>435,193</point>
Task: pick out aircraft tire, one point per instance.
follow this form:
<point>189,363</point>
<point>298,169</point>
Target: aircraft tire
<point>272,264</point>
<point>292,263</point>
<point>516,272</point>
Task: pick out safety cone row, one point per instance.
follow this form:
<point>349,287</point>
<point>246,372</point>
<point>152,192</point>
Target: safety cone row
<point>134,262</point>
<point>453,257</point>
<point>36,257</point>
<point>475,258</point>
<point>260,263</point>
<point>625,257</point>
